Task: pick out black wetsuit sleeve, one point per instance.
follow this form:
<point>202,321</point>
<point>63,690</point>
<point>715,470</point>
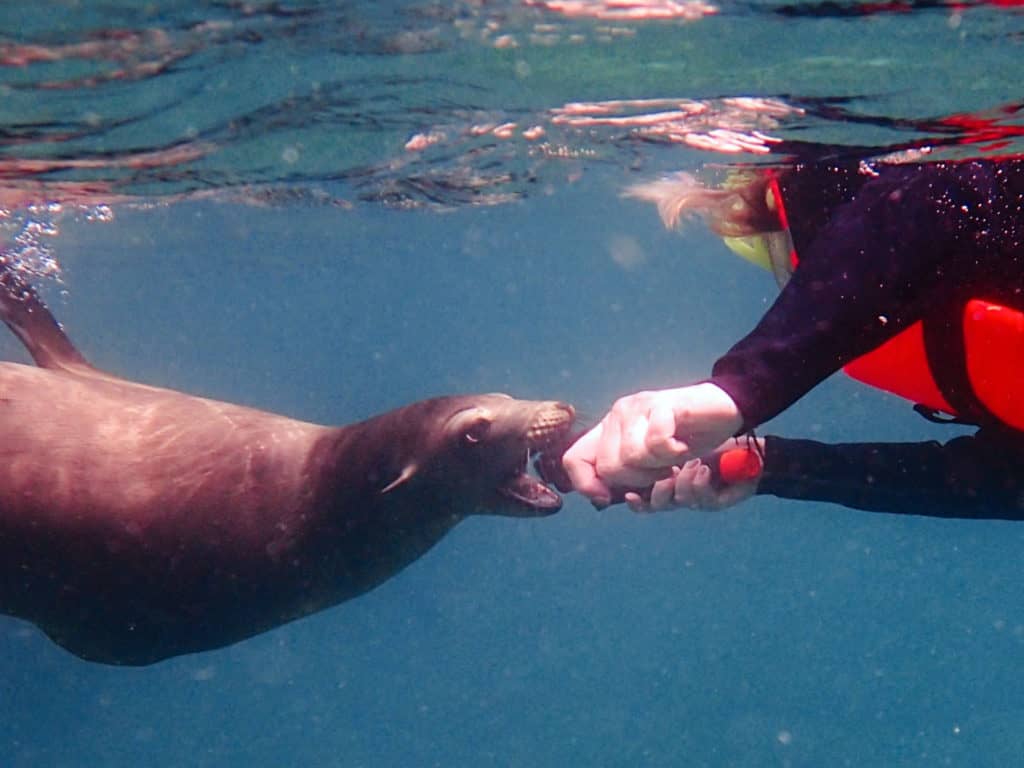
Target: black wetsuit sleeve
<point>879,263</point>
<point>973,477</point>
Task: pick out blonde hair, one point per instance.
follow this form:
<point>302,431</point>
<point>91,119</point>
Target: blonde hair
<point>738,208</point>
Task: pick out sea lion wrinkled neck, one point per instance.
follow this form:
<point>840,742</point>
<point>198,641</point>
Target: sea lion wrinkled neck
<point>362,455</point>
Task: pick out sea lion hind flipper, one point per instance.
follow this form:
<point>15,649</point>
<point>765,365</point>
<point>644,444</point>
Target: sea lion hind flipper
<point>34,324</point>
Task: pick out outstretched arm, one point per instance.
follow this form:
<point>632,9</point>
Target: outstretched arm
<point>900,247</point>
<point>972,476</point>
<point>907,242</point>
<point>976,476</point>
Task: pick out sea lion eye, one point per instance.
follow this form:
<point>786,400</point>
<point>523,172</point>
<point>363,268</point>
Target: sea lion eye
<point>477,431</point>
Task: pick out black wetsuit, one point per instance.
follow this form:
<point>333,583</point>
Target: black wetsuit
<point>878,251</point>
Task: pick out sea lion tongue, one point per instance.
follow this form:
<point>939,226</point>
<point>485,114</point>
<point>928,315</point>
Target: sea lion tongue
<point>532,493</point>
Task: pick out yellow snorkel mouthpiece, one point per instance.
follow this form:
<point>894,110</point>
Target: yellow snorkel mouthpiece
<point>753,248</point>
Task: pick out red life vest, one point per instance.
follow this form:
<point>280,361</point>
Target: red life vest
<point>993,339</point>
<point>992,364</point>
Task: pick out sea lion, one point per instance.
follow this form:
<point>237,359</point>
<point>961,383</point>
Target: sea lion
<point>139,523</point>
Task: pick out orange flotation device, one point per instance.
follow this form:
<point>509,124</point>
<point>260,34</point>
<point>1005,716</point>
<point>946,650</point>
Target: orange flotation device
<point>994,358</point>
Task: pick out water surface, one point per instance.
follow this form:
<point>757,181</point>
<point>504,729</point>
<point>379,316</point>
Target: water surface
<point>329,209</point>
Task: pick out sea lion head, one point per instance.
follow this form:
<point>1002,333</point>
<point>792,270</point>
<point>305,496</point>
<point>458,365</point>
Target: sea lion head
<point>479,449</point>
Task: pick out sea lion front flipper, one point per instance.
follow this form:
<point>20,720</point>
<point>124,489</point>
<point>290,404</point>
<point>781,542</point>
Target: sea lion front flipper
<point>407,474</point>
<point>30,320</point>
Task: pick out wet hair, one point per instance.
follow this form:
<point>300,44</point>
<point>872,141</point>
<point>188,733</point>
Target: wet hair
<point>737,208</point>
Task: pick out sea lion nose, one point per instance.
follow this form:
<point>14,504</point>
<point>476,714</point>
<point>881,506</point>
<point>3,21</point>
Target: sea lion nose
<point>549,420</point>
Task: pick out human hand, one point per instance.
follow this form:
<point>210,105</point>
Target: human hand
<point>694,485</point>
<point>645,435</point>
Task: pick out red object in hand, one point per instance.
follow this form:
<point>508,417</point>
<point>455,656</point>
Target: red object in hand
<point>739,465</point>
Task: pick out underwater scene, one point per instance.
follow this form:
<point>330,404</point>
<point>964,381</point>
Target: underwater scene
<point>339,212</point>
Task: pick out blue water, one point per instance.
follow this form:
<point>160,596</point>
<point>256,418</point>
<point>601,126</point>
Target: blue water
<point>294,267</point>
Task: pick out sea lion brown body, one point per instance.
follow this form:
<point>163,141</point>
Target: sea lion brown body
<point>139,523</point>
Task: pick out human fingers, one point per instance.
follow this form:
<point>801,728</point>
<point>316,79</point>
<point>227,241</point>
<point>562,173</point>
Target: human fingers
<point>607,459</point>
<point>684,494</point>
<point>580,465</point>
<point>705,416</point>
<point>663,492</point>
<point>639,435</point>
<point>702,492</point>
<point>661,447</point>
<point>636,503</point>
<point>661,496</point>
<point>621,459</point>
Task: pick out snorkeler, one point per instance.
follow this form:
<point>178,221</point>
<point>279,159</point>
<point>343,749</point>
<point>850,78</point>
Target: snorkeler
<point>910,277</point>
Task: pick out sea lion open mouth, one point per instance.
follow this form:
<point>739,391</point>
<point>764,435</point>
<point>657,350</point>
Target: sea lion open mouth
<point>549,425</point>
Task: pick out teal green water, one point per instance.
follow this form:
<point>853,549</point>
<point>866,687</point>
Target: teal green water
<point>771,634</point>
